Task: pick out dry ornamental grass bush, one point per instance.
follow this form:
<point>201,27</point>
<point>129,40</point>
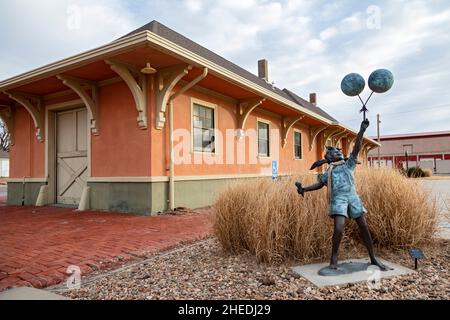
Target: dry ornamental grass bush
<point>417,172</point>
<point>274,223</point>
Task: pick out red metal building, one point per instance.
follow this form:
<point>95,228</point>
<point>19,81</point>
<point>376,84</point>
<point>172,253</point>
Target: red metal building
<point>428,150</point>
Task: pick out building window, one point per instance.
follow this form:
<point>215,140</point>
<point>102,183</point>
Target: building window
<point>297,145</point>
<point>263,139</point>
<point>203,127</point>
<point>408,148</point>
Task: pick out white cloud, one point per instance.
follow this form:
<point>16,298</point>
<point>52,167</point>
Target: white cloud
<point>40,32</point>
<point>235,5</point>
<point>330,9</point>
<point>351,24</point>
<point>328,33</point>
<point>310,45</point>
<point>299,7</point>
<point>315,45</point>
<point>194,6</point>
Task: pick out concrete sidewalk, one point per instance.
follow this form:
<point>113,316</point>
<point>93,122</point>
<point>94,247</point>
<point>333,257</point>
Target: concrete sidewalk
<point>26,293</point>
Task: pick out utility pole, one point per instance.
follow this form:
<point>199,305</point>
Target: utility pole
<point>406,157</point>
<point>378,136</point>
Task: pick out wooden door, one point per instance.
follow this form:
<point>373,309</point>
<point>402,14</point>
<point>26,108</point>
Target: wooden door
<point>71,155</point>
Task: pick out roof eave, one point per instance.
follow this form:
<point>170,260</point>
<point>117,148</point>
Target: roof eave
<point>350,130</point>
<point>223,73</point>
<point>74,61</point>
<point>146,36</point>
<point>247,84</point>
<point>137,39</point>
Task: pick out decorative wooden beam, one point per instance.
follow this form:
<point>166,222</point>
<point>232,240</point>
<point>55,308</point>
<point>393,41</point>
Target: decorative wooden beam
<point>286,125</point>
<point>365,150</point>
<point>244,109</point>
<point>33,104</point>
<point>166,81</point>
<point>210,92</point>
<point>338,137</point>
<point>364,145</point>
<point>190,84</point>
<point>314,133</point>
<point>329,134</point>
<point>351,142</point>
<point>368,148</point>
<point>79,86</point>
<point>7,115</point>
<point>371,147</point>
<point>137,83</point>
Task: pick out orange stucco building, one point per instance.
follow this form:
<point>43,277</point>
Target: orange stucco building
<point>153,121</point>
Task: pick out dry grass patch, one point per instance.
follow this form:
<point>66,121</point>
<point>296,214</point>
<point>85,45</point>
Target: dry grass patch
<point>270,220</point>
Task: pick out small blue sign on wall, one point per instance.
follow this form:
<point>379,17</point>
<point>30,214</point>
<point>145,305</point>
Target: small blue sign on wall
<point>274,170</point>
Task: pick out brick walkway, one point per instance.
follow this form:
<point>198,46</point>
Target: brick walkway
<point>38,244</point>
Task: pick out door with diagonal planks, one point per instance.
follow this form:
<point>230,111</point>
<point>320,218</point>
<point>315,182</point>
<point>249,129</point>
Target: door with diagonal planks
<point>71,155</point>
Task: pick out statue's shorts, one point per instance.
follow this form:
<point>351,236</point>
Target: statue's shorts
<point>347,205</point>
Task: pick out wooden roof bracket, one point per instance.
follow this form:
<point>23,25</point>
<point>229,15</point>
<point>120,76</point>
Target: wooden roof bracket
<point>351,142</point>
<point>370,147</point>
<point>330,134</point>
<point>189,85</point>
<point>314,133</point>
<point>79,86</point>
<point>244,108</point>
<point>7,116</point>
<point>365,148</point>
<point>166,81</point>
<point>338,137</point>
<point>137,83</point>
<point>286,125</point>
<point>34,105</point>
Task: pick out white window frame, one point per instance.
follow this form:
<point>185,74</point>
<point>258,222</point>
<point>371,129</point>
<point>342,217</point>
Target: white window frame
<point>269,147</point>
<point>294,131</point>
<point>205,104</point>
<point>408,148</point>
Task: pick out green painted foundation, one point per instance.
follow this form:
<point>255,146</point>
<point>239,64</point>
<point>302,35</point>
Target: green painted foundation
<point>28,192</point>
<point>135,197</point>
<point>152,197</point>
<point>199,193</point>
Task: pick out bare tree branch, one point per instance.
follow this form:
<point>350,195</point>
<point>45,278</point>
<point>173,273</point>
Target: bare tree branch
<point>5,141</point>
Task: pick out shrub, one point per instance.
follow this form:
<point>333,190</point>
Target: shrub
<point>427,172</point>
<point>271,221</point>
<point>401,212</point>
<point>417,172</point>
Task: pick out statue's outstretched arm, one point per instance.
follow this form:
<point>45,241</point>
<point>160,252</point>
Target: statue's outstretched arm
<point>301,190</point>
<point>359,138</point>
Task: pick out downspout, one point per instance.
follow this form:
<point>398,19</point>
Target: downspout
<point>30,165</point>
<point>23,189</point>
<point>23,192</point>
<point>171,160</point>
<point>171,155</point>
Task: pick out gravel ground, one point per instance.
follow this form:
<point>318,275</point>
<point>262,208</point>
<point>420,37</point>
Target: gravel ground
<point>204,271</point>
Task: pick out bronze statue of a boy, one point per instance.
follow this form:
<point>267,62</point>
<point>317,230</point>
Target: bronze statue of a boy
<point>343,200</point>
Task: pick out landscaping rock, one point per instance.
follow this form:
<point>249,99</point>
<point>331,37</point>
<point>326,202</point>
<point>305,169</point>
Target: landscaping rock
<point>204,271</point>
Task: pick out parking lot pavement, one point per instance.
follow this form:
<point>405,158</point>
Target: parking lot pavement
<point>441,190</point>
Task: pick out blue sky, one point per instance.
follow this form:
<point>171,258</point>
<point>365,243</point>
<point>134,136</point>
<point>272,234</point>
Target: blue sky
<point>310,45</point>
